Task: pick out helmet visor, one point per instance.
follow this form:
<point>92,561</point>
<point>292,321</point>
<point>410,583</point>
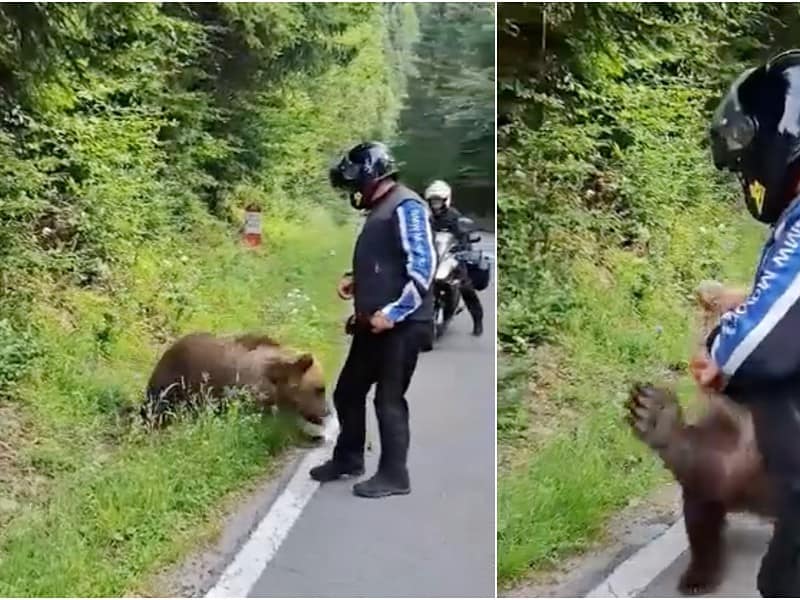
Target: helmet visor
<point>732,130</point>
<point>437,203</point>
<point>344,174</point>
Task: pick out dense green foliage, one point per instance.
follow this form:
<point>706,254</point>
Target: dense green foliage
<point>608,135</point>
<point>448,123</point>
<point>125,123</point>
<point>132,136</point>
<point>609,213</point>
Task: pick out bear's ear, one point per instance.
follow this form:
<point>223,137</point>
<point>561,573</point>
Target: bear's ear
<point>303,363</point>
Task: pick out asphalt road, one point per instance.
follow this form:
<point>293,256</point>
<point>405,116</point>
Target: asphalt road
<point>439,540</point>
<point>746,540</point>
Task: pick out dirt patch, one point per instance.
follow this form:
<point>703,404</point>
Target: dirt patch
<point>548,373</point>
<point>536,378</point>
<point>19,481</point>
<point>638,524</point>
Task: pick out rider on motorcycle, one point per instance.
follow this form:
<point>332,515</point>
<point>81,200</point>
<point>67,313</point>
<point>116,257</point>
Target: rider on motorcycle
<point>446,218</point>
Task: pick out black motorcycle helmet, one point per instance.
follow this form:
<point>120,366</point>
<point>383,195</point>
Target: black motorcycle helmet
<point>361,169</point>
<point>755,133</point>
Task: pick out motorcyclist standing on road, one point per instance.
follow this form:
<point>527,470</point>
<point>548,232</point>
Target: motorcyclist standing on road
<point>445,217</point>
<point>391,288</point>
<point>753,354</point>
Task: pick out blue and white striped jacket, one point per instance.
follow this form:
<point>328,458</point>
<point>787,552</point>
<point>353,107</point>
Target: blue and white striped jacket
<point>758,343</point>
<point>417,240</point>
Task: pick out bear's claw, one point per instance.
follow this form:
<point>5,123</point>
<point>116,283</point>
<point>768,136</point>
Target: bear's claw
<point>653,414</point>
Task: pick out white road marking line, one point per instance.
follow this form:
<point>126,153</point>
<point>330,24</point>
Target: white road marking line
<point>243,572</point>
<point>641,569</point>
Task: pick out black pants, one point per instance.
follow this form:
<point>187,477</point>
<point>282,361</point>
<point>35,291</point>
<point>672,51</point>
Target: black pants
<point>471,300</point>
<point>777,423</point>
<point>387,359</point>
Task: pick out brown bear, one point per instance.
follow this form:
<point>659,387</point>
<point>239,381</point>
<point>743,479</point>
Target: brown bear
<point>715,460</point>
<point>202,364</point>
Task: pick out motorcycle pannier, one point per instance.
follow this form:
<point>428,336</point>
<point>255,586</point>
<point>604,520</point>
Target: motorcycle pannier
<point>479,270</point>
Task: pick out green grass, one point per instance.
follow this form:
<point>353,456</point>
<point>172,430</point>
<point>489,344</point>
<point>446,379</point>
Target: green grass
<point>632,323</point>
<point>556,504</point>
<point>101,506</point>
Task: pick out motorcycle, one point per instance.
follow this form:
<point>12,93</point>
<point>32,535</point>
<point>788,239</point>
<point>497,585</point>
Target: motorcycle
<point>447,300</point>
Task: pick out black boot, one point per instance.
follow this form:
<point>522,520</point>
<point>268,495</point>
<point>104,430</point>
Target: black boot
<point>332,470</point>
<point>383,484</point>
<point>392,476</point>
<point>477,328</point>
<point>475,309</point>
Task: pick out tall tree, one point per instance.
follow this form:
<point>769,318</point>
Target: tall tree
<point>448,124</point>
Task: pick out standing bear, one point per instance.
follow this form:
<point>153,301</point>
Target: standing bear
<point>715,460</point>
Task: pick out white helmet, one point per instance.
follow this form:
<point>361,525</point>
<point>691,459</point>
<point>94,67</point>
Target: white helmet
<point>439,193</point>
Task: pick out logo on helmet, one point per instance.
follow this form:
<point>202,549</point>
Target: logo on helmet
<point>757,193</point>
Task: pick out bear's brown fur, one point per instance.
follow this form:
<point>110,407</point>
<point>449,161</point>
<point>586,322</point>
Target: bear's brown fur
<point>715,460</point>
<point>204,364</point>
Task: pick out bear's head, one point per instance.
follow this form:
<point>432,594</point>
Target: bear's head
<point>299,385</point>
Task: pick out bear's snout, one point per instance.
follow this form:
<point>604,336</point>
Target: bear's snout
<point>314,419</point>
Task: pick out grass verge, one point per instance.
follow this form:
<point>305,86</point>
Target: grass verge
<point>95,506</point>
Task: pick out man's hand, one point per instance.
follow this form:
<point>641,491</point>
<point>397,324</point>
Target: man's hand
<point>706,372</point>
<point>345,287</point>
<point>716,298</point>
<point>380,322</point>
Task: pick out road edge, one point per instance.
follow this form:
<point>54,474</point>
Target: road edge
<point>263,543</point>
<point>633,575</point>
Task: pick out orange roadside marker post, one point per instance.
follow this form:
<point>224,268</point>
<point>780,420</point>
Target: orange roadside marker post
<point>252,226</point>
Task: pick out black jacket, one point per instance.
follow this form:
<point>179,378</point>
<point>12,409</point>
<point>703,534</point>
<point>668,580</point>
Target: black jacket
<point>394,259</point>
<point>448,220</point>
